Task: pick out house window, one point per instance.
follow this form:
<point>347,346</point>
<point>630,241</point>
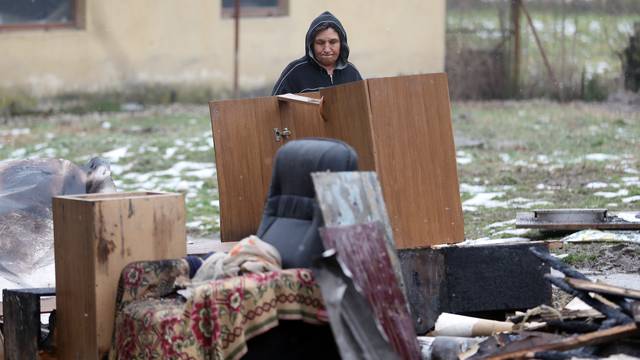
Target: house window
<point>256,8</point>
<point>30,14</point>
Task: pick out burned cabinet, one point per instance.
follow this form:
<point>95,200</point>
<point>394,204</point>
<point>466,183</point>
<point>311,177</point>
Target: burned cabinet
<point>399,126</point>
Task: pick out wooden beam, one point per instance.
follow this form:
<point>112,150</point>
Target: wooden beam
<point>602,288</point>
<point>571,342</point>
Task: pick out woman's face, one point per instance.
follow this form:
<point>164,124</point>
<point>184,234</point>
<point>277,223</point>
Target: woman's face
<point>326,47</point>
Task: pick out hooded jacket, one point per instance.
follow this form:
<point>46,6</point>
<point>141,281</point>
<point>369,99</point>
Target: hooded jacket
<point>306,74</point>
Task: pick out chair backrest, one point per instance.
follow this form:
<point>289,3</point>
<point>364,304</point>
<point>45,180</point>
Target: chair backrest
<point>291,215</point>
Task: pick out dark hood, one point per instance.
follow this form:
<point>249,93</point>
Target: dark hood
<point>327,17</point>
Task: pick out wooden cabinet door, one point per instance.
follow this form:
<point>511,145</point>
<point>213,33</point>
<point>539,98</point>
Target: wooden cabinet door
<point>416,159</point>
<point>348,118</point>
<point>244,147</point>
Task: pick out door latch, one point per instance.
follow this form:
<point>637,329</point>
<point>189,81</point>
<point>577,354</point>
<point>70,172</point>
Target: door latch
<point>279,134</point>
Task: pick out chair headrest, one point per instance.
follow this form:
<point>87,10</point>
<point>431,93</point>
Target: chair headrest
<point>296,160</point>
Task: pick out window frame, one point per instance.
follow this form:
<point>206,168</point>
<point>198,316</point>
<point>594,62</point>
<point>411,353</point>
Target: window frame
<point>281,9</point>
<point>78,22</point>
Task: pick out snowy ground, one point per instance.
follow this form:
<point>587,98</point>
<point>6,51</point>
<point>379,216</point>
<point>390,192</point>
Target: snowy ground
<point>511,156</point>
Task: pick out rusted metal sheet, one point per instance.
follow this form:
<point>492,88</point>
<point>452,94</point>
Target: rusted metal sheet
<point>357,333</point>
<point>363,250</point>
<point>577,219</point>
<point>349,198</point>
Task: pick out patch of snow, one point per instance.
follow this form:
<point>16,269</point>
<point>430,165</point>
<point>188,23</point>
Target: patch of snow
<point>505,157</point>
<point>106,125</point>
<point>485,200</point>
<point>631,199</point>
<point>120,169</point>
<point>500,224</point>
<point>539,25</point>
<point>177,184</point>
<point>194,224</point>
<point>601,157</point>
<point>609,195</point>
<point>180,166</point>
<point>631,171</point>
<point>202,174</point>
<point>630,216</point>
<point>18,153</point>
<point>542,159</point>
<point>625,27</point>
<point>523,163</point>
<point>529,205</point>
<point>596,185</point>
<point>463,158</point>
<point>631,181</point>
<point>169,152</point>
<point>15,132</point>
<point>116,154</point>
<point>215,203</point>
<point>516,232</point>
<point>203,148</point>
<point>472,189</point>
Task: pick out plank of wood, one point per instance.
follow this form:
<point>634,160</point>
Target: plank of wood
<point>95,237</point>
<point>416,158</point>
<point>571,342</point>
<point>603,288</point>
<point>244,148</point>
<point>363,250</point>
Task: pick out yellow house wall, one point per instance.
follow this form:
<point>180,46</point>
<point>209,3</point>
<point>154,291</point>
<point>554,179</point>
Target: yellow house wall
<point>186,43</point>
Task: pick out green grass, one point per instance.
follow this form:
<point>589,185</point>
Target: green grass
<point>544,145</point>
<point>580,259</point>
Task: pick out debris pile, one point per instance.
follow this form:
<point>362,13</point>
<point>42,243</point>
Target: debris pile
<point>601,321</point>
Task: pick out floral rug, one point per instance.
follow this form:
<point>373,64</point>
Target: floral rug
<point>215,321</point>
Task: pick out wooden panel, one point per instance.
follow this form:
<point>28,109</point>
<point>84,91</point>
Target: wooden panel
<point>347,114</point>
<point>75,298</point>
<point>363,249</point>
<point>303,120</point>
<point>416,162</point>
<point>244,148</point>
<point>107,232</point>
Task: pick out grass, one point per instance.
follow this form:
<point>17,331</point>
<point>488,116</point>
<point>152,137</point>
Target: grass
<point>580,259</point>
<point>537,150</point>
<point>533,153</point>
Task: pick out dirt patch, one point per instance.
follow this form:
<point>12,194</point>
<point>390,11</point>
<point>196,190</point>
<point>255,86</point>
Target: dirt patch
<point>601,258</point>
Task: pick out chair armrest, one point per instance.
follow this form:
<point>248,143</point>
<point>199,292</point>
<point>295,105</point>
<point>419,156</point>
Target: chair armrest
<point>149,279</point>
